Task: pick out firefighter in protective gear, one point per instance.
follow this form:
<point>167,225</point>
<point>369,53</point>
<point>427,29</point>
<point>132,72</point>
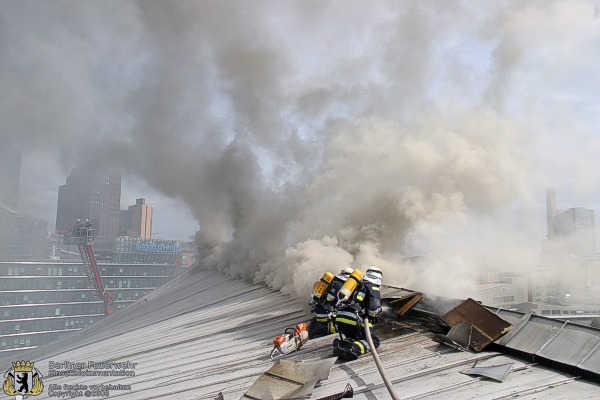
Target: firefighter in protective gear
<point>323,308</point>
<point>365,300</point>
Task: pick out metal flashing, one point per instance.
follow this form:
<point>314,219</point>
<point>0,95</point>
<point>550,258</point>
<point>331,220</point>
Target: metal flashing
<point>495,372</point>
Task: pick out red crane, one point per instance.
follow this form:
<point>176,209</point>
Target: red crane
<point>83,235</point>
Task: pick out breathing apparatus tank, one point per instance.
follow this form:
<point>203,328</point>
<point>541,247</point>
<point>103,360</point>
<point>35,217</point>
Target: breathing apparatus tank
<point>321,286</point>
<point>350,285</point>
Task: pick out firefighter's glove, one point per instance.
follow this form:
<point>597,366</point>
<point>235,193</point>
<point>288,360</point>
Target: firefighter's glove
<point>374,315</point>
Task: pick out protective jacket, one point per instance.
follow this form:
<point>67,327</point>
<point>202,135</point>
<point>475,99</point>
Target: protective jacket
<point>366,300</point>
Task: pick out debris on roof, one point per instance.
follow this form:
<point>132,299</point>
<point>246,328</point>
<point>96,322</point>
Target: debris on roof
<point>347,393</point>
<point>402,301</point>
<point>458,337</point>
<point>290,379</point>
<point>495,372</point>
<point>487,327</point>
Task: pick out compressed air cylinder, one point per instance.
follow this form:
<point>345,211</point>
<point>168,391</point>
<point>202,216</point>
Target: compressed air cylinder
<point>350,285</point>
<point>322,285</point>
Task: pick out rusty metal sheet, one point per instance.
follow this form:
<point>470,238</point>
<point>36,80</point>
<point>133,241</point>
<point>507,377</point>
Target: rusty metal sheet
<point>487,326</point>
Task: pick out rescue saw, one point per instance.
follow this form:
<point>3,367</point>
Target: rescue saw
<point>291,340</point>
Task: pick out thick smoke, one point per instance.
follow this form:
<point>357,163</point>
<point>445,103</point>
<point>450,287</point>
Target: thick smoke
<point>308,136</point>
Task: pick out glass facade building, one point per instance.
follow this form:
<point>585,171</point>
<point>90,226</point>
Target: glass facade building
<point>41,302</point>
<point>90,193</point>
<point>22,237</point>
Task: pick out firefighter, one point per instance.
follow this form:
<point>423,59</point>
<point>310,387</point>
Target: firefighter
<point>77,228</point>
<point>322,308</point>
<point>365,300</point>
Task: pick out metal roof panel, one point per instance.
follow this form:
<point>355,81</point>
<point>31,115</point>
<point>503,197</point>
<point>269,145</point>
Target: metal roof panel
<point>571,345</point>
<point>205,334</point>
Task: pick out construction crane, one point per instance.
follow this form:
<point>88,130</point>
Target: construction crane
<point>83,236</point>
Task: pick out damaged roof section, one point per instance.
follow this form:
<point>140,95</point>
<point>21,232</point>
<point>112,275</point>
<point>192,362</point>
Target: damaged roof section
<point>401,300</point>
<point>473,325</point>
<point>290,379</point>
<point>557,343</point>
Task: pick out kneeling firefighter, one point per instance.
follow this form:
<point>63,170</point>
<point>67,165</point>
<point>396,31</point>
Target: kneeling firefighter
<point>323,301</point>
<point>354,304</point>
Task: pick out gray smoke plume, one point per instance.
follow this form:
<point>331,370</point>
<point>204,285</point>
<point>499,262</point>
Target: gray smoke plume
<point>307,136</point>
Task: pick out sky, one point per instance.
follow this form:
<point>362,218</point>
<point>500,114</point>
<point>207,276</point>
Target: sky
<point>293,138</point>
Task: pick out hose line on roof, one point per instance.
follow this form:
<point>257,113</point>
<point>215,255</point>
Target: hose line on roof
<point>388,383</point>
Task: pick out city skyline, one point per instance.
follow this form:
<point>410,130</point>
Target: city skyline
<point>171,219</point>
<point>303,137</point>
<point>174,220</point>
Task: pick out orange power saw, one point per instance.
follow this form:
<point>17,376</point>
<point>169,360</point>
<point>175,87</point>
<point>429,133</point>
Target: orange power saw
<point>291,340</point>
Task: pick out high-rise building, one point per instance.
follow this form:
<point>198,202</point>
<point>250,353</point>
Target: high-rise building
<point>567,273</point>
<point>571,232</point>
<point>136,220</point>
<point>90,193</point>
<point>22,237</point>
<point>10,172</point>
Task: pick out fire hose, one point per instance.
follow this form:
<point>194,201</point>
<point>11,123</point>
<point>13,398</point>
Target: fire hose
<point>388,383</point>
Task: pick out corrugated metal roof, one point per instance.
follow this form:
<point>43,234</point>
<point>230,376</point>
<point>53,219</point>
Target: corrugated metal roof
<point>557,341</point>
<point>530,337</point>
<point>205,334</point>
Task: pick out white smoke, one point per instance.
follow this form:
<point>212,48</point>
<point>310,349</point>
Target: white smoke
<point>307,136</point>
